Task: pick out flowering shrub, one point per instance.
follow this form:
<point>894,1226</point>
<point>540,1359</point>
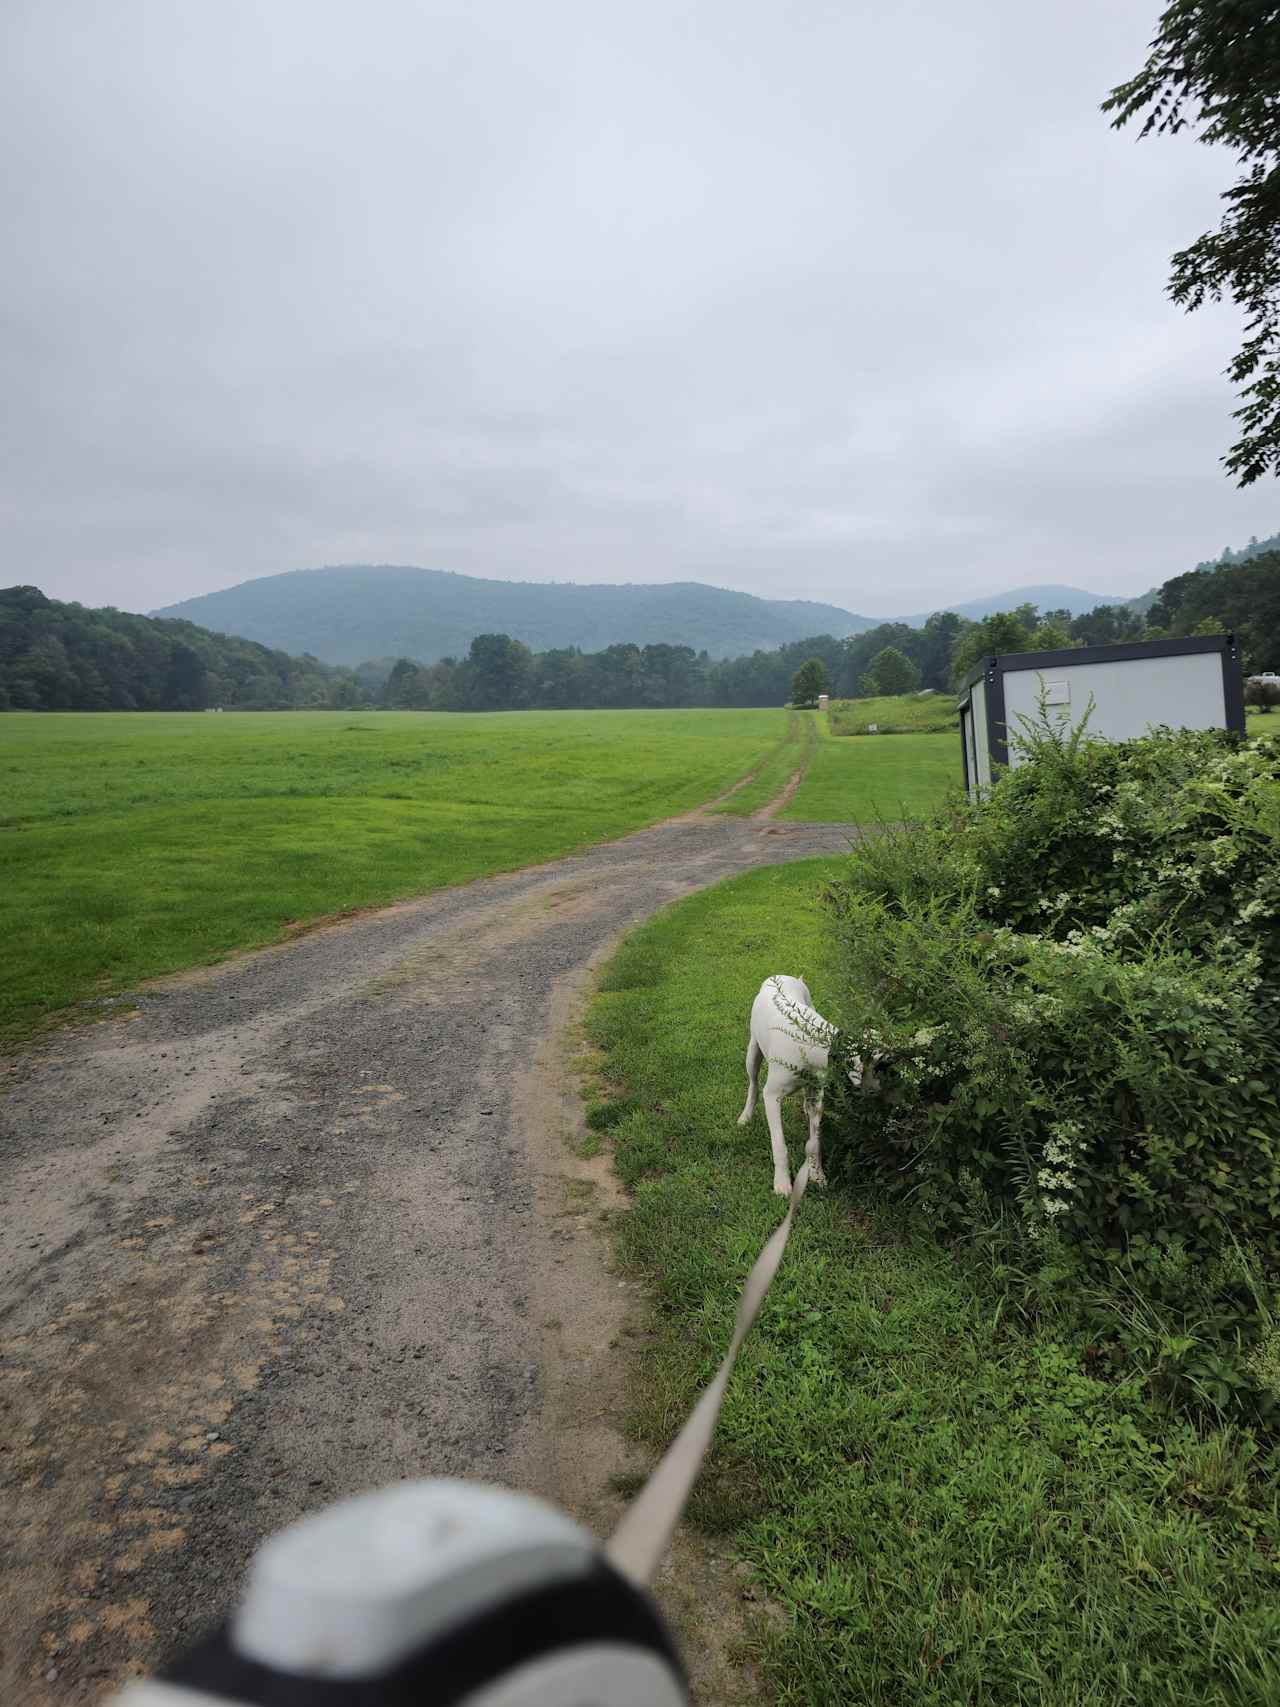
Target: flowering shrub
<point>1074,990</point>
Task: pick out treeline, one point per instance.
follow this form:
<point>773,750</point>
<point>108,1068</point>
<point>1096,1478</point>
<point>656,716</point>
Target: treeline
<point>501,674</point>
<point>65,657</point>
<point>1240,594</point>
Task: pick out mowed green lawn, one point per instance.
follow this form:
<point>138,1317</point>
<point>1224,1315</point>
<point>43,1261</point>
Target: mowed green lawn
<point>136,844</point>
<point>867,779</point>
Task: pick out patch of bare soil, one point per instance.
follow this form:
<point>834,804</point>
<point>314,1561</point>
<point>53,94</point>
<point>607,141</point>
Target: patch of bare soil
<point>780,802</point>
<point>594,1327</point>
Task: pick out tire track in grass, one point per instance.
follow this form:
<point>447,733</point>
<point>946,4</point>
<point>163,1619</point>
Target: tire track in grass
<point>772,788</point>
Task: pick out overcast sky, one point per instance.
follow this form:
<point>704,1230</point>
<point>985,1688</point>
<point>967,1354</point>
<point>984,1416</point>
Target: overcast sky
<point>815,298</point>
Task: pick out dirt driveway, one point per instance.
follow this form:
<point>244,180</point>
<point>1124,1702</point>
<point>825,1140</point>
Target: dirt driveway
<point>303,1224</point>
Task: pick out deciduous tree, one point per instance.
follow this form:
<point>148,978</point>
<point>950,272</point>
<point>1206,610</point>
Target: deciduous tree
<point>1215,65</point>
<point>891,672</point>
<point>809,681</point>
<point>1001,631</point>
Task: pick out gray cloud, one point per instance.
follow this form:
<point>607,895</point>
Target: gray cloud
<point>855,303</point>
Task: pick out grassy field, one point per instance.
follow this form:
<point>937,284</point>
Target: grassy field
<point>895,714</point>
<point>863,782</point>
<point>132,845</point>
<point>951,1511</point>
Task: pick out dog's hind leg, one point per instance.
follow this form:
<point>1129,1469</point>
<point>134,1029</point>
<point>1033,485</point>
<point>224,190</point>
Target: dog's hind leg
<point>754,1057</point>
<point>813,1149</point>
<point>781,1166</point>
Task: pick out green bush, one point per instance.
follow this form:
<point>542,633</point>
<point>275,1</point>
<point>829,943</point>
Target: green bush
<point>1073,988</point>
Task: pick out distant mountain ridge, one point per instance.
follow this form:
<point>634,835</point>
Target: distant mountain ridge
<point>353,612</point>
<point>1044,597</point>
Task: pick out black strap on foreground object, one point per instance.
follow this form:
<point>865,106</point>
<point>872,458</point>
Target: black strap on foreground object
<point>599,1608</point>
<point>457,1594</point>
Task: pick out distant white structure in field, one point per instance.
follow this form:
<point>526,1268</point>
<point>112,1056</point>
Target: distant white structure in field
<point>1194,683</point>
<point>824,700</point>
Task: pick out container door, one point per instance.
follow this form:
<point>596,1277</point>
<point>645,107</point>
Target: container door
<point>969,749</point>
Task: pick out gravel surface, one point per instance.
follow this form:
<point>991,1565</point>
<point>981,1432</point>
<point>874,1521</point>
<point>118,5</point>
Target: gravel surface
<point>277,1236</point>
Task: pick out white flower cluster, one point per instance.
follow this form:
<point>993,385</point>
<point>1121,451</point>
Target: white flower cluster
<point>1058,1180</point>
<point>1077,943</point>
<point>1059,901</point>
<point>1221,854</point>
<point>911,1066</point>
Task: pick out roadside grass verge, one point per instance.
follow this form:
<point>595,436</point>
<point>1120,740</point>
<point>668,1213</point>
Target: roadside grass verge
<point>138,844</point>
<point>895,714</point>
<point>791,754</point>
<point>873,780</point>
<point>951,1510</point>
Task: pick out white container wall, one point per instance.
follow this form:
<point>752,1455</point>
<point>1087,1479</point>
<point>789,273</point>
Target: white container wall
<point>1129,696</point>
<point>1194,683</point>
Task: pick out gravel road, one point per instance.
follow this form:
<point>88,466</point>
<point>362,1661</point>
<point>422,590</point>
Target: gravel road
<point>287,1231</point>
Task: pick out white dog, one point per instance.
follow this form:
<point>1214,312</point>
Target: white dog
<point>788,1033</point>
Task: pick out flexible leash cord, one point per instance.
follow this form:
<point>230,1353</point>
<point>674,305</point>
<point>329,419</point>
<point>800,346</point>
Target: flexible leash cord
<point>637,1546</point>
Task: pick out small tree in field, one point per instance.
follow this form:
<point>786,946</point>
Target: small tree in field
<point>890,672</point>
<point>808,682</point>
<point>1262,694</point>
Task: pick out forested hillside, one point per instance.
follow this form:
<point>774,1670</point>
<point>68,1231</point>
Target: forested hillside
<point>499,672</point>
<point>347,614</point>
<point>66,657</point>
<point>1243,595</point>
<point>1229,554</point>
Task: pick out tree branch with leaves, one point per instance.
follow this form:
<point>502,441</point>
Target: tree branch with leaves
<point>1215,64</point>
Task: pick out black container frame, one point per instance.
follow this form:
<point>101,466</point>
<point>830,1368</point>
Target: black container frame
<point>993,669</point>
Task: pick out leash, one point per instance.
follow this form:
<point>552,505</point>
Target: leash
<point>637,1546</point>
<point>456,1594</point>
